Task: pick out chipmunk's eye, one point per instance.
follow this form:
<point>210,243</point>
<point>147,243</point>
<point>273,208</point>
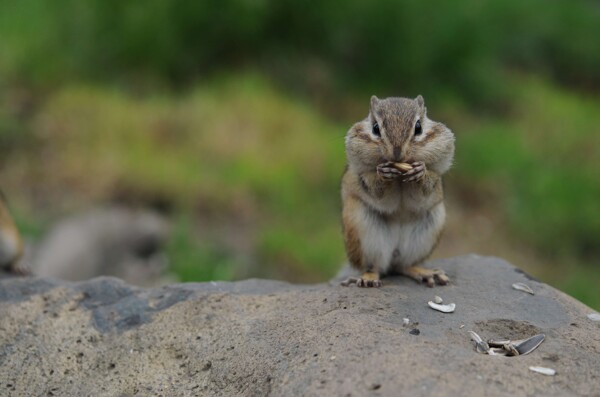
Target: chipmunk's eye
<point>376,131</point>
<point>418,129</point>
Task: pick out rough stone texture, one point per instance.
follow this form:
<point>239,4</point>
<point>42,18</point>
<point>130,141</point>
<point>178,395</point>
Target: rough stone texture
<point>257,338</point>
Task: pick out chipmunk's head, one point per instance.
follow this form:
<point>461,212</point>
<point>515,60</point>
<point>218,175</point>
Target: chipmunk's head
<point>398,130</point>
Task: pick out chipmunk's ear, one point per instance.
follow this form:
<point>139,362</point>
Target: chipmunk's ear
<point>374,102</point>
<point>420,101</point>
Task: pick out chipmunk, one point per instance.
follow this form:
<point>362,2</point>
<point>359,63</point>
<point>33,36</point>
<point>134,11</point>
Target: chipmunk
<point>392,198</point>
<point>11,244</point>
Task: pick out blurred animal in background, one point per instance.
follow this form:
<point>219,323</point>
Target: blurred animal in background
<point>11,243</point>
<point>115,241</point>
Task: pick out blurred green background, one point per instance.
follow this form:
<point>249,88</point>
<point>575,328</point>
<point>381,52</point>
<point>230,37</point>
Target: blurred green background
<point>232,115</point>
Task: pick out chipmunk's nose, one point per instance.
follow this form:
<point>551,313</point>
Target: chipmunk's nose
<point>398,154</point>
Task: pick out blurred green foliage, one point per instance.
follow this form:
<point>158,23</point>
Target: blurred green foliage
<point>545,160</point>
<point>396,46</point>
<point>194,261</point>
<point>154,98</point>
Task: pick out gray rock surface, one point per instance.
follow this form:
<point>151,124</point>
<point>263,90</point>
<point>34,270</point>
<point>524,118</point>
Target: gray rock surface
<point>255,338</point>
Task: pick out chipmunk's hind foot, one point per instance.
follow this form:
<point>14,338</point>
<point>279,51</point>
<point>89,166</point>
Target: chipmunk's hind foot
<point>367,280</point>
<point>431,277</point>
<point>17,269</point>
<point>21,269</point>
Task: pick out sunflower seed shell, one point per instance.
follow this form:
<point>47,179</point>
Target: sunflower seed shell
<point>594,316</point>
<point>442,308</point>
<point>403,166</point>
<point>543,370</point>
<point>523,287</point>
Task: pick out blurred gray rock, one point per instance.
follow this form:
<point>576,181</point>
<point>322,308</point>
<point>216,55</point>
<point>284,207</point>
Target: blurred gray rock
<point>257,337</point>
<point>114,241</point>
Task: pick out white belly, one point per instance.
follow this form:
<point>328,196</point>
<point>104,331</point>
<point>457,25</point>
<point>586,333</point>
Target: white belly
<point>402,243</point>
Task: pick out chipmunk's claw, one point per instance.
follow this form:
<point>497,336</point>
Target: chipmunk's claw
<point>367,280</point>
<point>416,173</point>
<point>368,283</point>
<point>21,269</point>
<point>388,171</point>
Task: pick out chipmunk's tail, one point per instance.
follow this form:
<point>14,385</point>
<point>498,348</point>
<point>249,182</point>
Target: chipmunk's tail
<point>11,243</point>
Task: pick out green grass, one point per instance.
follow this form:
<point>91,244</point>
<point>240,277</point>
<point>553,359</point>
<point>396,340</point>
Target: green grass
<point>545,161</point>
<point>580,281</point>
<point>192,260</point>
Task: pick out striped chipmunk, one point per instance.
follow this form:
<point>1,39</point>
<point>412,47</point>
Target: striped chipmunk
<point>392,197</point>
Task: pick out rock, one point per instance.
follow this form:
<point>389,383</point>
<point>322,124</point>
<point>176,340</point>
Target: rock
<point>258,337</point>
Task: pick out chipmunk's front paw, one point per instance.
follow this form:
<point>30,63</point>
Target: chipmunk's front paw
<point>388,171</point>
<point>416,173</point>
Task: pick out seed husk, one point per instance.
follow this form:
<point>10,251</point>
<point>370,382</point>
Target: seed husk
<point>497,351</point>
<point>506,347</point>
<point>543,370</point>
<point>526,346</point>
<point>498,342</point>
<point>519,347</point>
<point>403,167</point>
<point>480,345</point>
<point>475,336</point>
<point>594,316</point>
<point>442,308</point>
<point>511,350</point>
<point>523,287</point>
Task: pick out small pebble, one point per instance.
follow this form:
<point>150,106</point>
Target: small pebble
<point>405,321</point>
<point>438,300</point>
<point>414,331</point>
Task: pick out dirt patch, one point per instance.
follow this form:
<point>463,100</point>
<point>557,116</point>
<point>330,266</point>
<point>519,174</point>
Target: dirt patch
<point>506,329</point>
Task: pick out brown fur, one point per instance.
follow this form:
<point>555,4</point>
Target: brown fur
<point>351,238</point>
<point>433,133</point>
